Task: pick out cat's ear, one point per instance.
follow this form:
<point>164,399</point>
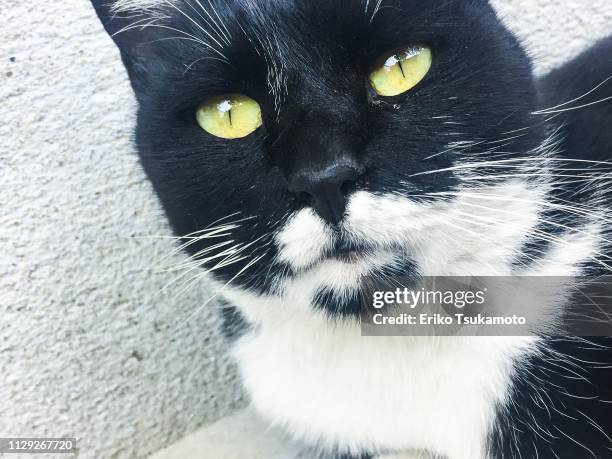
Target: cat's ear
<point>133,40</point>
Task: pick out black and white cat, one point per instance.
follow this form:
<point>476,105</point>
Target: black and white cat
<point>300,145</point>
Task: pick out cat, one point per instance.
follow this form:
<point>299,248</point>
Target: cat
<point>299,146</point>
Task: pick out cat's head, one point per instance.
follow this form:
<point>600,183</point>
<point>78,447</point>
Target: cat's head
<point>340,138</point>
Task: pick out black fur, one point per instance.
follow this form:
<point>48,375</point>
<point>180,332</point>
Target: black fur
<point>561,403</point>
<point>587,132</point>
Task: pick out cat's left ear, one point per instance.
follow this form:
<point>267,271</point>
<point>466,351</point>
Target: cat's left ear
<point>134,41</point>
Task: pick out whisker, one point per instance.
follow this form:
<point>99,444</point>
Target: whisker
<point>544,236</point>
<point>577,178</point>
<point>199,26</point>
<point>208,301</point>
<point>375,12</point>
<point>187,271</point>
<point>197,260</point>
<point>550,236</point>
<point>210,23</point>
<point>188,36</point>
<point>541,160</point>
<point>456,146</point>
<point>490,222</point>
<point>229,35</point>
<point>577,98</point>
<point>574,108</point>
<point>586,211</point>
<point>218,292</point>
<point>191,281</point>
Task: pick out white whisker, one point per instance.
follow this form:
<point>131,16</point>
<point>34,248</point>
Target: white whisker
<point>211,23</point>
<point>576,99</point>
<point>199,26</point>
<point>573,108</point>
<point>228,34</point>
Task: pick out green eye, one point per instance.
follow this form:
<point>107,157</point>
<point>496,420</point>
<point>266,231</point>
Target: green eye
<point>229,116</point>
<point>401,71</point>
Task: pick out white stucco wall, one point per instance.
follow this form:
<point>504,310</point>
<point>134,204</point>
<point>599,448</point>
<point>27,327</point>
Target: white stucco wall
<point>90,343</point>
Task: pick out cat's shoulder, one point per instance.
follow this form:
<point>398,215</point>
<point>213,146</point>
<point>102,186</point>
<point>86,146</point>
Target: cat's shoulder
<point>578,95</point>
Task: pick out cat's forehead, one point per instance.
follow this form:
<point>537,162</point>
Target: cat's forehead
<point>288,31</point>
<point>213,13</point>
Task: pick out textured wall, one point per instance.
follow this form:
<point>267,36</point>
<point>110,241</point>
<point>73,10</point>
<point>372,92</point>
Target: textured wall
<point>91,345</point>
<point>554,31</point>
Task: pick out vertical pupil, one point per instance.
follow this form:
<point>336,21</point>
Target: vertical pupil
<point>401,67</point>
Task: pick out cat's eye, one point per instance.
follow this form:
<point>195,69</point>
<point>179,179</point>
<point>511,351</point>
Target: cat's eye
<point>229,116</point>
<point>400,71</point>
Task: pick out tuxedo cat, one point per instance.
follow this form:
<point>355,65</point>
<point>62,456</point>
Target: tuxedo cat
<point>299,146</point>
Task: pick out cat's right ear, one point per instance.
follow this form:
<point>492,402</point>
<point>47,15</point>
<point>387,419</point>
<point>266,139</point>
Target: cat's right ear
<point>133,40</point>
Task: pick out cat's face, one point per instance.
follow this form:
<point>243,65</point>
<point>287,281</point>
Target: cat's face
<point>338,178</point>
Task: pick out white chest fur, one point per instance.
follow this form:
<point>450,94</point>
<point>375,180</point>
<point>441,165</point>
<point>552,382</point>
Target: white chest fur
<point>330,386</point>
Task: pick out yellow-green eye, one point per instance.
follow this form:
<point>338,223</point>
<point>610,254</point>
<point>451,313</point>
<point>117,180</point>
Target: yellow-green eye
<point>401,71</point>
<point>229,116</point>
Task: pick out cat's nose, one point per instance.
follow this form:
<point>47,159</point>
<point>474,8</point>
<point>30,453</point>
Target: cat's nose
<point>327,190</point>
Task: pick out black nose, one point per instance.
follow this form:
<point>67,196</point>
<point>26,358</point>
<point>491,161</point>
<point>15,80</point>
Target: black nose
<point>327,190</point>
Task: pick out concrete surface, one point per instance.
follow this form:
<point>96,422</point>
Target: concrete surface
<point>91,344</point>
<point>240,436</point>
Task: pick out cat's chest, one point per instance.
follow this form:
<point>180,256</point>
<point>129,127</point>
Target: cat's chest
<point>330,386</point>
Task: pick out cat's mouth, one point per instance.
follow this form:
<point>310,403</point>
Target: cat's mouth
<point>347,252</point>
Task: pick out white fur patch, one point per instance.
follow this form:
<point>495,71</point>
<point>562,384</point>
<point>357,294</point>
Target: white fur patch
<point>328,385</point>
<point>304,239</point>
